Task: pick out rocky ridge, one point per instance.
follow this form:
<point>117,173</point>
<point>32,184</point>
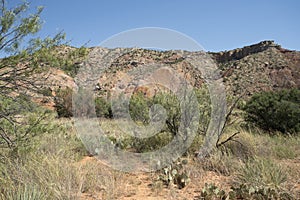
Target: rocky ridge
<point>254,68</point>
<point>259,67</point>
<point>239,53</point>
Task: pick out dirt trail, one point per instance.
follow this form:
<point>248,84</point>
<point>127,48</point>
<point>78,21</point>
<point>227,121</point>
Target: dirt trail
<point>146,187</point>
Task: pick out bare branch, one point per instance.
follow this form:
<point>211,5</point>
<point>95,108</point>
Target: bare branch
<point>37,122</point>
<point>6,138</point>
<point>229,114</point>
<point>228,139</point>
<point>2,6</point>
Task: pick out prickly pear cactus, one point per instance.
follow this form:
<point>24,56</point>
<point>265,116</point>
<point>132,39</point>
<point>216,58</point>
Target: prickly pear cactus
<point>175,174</point>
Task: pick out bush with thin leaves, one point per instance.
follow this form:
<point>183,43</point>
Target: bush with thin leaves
<point>18,71</point>
<point>20,121</point>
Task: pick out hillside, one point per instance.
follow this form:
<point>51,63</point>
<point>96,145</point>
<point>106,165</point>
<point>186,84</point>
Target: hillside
<point>259,67</point>
<point>262,66</point>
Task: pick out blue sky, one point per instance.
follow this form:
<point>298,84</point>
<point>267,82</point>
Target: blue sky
<point>215,24</point>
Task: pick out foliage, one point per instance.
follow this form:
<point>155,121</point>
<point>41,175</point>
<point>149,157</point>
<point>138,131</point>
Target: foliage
<point>140,106</point>
<point>53,170</point>
<point>70,63</point>
<point>15,26</point>
<point>20,121</point>
<point>23,193</point>
<point>175,174</point>
<point>63,102</point>
<point>259,172</point>
<point>172,106</point>
<point>204,104</point>
<point>245,192</point>
<point>103,108</point>
<point>220,162</point>
<point>61,57</point>
<point>139,109</point>
<point>275,110</point>
<point>142,145</point>
<point>211,191</point>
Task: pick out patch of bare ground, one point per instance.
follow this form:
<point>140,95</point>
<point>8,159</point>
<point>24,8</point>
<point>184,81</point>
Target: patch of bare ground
<point>146,186</point>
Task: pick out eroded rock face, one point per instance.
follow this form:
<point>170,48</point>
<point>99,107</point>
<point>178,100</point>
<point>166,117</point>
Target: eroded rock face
<point>128,73</point>
<point>240,53</point>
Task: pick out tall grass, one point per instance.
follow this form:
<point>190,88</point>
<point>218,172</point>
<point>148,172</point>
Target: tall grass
<point>262,172</point>
<point>53,170</point>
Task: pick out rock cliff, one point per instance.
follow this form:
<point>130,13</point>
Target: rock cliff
<point>237,54</point>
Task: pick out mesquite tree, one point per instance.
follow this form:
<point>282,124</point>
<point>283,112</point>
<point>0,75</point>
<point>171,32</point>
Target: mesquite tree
<point>20,50</point>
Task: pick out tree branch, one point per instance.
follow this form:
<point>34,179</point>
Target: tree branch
<point>228,139</point>
<point>229,114</point>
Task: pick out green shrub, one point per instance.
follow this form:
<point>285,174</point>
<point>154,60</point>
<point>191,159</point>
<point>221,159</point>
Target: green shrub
<point>20,121</point>
<point>67,59</point>
<point>275,110</point>
<point>140,105</point>
<point>119,106</point>
<point>142,145</point>
<point>63,102</point>
<point>152,143</point>
<point>139,108</point>
<point>103,108</point>
<point>70,64</point>
<point>45,91</point>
